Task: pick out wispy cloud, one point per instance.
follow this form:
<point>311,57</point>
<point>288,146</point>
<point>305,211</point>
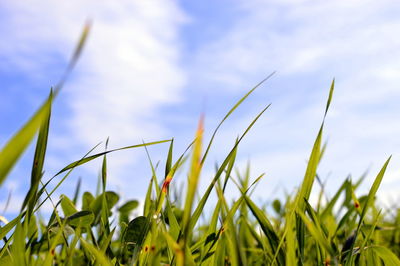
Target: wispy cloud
<point>137,61</point>
<point>129,70</point>
<point>309,43</point>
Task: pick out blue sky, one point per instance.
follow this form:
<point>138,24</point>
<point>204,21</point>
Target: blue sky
<point>151,67</point>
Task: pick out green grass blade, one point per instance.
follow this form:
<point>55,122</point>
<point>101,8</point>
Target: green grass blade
<point>236,105</point>
<point>368,203</point>
<point>267,228</point>
<point>15,147</point>
<point>199,209</point>
<point>99,256</point>
<point>386,255</point>
<point>168,163</point>
<point>38,161</point>
<point>92,157</point>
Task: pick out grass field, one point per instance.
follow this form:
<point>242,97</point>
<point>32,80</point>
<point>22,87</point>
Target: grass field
<point>346,229</point>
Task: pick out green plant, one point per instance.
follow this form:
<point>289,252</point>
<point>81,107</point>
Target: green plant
<point>103,231</point>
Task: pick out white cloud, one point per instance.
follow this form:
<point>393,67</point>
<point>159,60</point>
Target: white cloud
<point>132,66</point>
<point>129,69</point>
<point>308,43</point>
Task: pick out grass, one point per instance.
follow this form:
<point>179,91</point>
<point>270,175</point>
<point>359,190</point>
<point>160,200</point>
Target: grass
<point>346,229</point>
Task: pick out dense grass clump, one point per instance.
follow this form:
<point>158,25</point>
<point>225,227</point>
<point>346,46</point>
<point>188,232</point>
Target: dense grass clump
<point>346,229</point>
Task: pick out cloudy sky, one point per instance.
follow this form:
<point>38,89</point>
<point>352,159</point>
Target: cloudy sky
<point>150,68</point>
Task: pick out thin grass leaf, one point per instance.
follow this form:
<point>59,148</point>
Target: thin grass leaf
<point>236,105</point>
<point>92,157</point>
<point>386,255</point>
<point>15,147</point>
<point>267,228</point>
<point>197,212</point>
<point>97,254</point>
<point>368,203</point>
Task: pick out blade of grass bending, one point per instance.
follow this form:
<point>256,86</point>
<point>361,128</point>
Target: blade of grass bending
<point>176,248</point>
<point>305,191</point>
<point>309,177</point>
<point>386,255</point>
<point>316,233</point>
<point>332,202</point>
<point>15,147</point>
<point>231,111</point>
<point>365,241</point>
<point>267,228</point>
<point>212,228</point>
<point>374,188</point>
<point>174,227</point>
<point>370,199</point>
<point>18,246</point>
<point>235,250</point>
<point>38,161</point>
<point>41,191</point>
<point>92,157</point>
<point>97,254</point>
<point>229,169</point>
<point>10,225</point>
<point>153,171</point>
<point>203,200</point>
<point>308,181</point>
<point>20,141</point>
<point>229,216</point>
<point>50,254</point>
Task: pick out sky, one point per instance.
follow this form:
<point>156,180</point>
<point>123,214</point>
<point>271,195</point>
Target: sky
<point>150,68</point>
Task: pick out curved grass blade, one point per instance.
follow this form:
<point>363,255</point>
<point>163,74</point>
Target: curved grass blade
<point>15,147</point>
<point>230,112</point>
<point>368,203</point>
<point>97,254</point>
<point>267,228</point>
<point>38,161</point>
<point>92,157</point>
<point>199,209</point>
<point>386,255</point>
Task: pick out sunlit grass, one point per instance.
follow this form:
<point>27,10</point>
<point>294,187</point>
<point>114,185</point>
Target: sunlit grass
<point>347,229</point>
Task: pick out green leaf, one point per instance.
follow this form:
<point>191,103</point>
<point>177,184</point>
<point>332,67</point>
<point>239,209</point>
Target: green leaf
<point>81,218</point>
<point>97,205</point>
<point>129,206</point>
<point>15,147</point>
<point>386,255</point>
<point>7,228</point>
<point>236,105</point>
<point>168,163</point>
<point>92,157</point>
<point>87,199</point>
<point>67,206</point>
<point>38,161</point>
<point>97,254</point>
<point>266,227</point>
<point>367,204</point>
<point>316,233</point>
<point>136,232</point>
<point>199,209</point>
